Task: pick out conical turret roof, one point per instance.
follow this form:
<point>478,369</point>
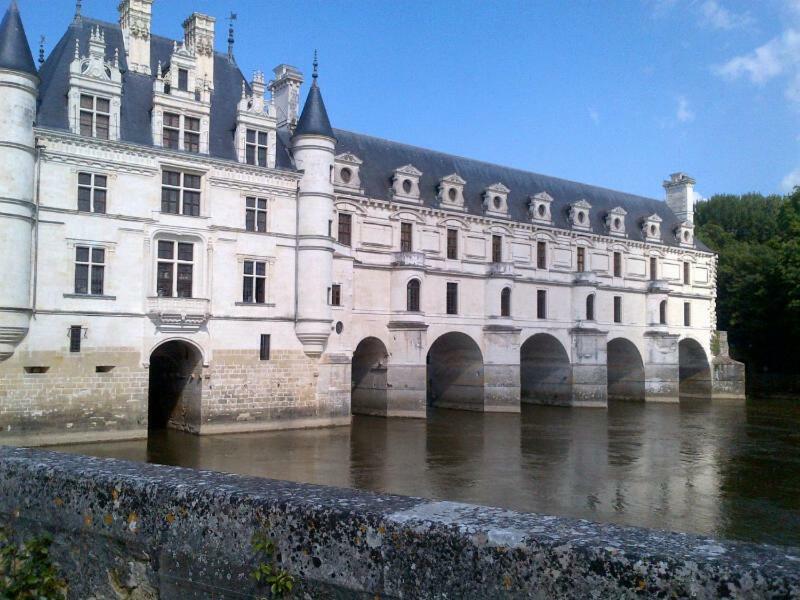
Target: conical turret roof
<point>314,118</point>
<point>15,53</point>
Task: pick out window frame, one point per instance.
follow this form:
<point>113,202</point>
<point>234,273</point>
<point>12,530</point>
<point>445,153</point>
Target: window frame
<point>451,298</point>
<point>406,236</point>
<point>181,135</point>
<point>497,248</point>
<point>344,229</point>
<point>653,268</point>
<point>687,272</point>
<point>265,343</point>
<point>92,267</point>
<point>662,312</point>
<point>257,209</point>
<point>580,259</point>
<point>75,336</point>
<point>505,302</point>
<point>254,281</point>
<point>617,264</point>
<point>94,188</point>
<point>94,113</point>
<point>413,295</point>
<point>336,294</point>
<point>182,189</point>
<point>541,304</point>
<point>617,309</point>
<point>541,254</point>
<point>687,314</point>
<point>256,147</point>
<point>452,243</point>
<point>175,262</point>
<point>590,307</point>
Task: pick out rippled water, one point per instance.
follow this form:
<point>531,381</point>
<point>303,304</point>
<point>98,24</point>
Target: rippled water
<point>726,469</point>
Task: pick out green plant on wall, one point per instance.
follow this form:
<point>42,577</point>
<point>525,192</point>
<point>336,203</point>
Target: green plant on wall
<point>27,571</point>
<point>715,345</point>
<point>267,572</point>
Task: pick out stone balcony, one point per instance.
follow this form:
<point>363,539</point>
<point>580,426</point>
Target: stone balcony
<point>178,314</point>
<point>585,278</point>
<point>408,259</point>
<point>501,269</point>
<point>658,286</point>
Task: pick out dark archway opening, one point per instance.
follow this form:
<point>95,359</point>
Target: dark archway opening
<point>369,378</point>
<point>455,373</point>
<point>545,371</point>
<point>625,371</point>
<point>694,370</point>
<point>175,387</point>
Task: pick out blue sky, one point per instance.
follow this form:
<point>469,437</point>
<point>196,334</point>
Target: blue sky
<point>617,93</point>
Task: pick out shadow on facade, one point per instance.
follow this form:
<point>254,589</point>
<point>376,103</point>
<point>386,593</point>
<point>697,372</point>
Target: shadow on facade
<point>175,387</point>
<point>455,373</point>
<point>625,371</point>
<point>694,370</point>
<point>369,378</point>
<point>545,371</point>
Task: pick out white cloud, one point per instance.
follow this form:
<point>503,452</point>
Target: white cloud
<point>594,116</point>
<point>684,114</point>
<point>791,180</point>
<point>777,56</point>
<point>698,197</point>
<point>717,16</point>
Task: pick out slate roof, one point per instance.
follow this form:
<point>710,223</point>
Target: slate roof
<point>381,157</point>
<point>15,53</point>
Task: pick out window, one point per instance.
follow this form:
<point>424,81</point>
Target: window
<point>541,304</point>
<point>89,270</point>
<point>687,314</point>
<point>541,255</point>
<point>505,302</point>
<point>653,268</point>
<point>175,269</point>
<point>412,296</point>
<point>263,352</point>
<point>687,272</point>
<point>172,131</point>
<point>617,309</point>
<point>255,282</point>
<point>75,332</point>
<point>95,116</point>
<point>497,248</point>
<point>617,264</point>
<point>336,295</point>
<point>590,307</point>
<point>183,80</point>
<point>452,298</point>
<point>191,134</point>
<point>662,312</point>
<point>452,243</point>
<point>581,259</point>
<point>405,237</point>
<point>345,228</point>
<point>92,189</point>
<point>256,214</point>
<point>180,193</point>
<point>255,148</point>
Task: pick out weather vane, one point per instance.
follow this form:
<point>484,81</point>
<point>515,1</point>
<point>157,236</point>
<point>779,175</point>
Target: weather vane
<point>231,19</point>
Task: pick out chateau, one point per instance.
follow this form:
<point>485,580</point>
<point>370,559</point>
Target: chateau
<point>184,246</point>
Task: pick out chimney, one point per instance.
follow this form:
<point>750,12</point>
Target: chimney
<point>135,18</point>
<point>198,36</point>
<point>680,196</point>
<point>285,90</point>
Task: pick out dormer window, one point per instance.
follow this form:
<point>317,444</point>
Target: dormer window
<point>172,132</point>
<point>495,199</point>
<point>405,183</point>
<point>451,192</point>
<point>539,208</point>
<point>256,147</point>
<point>651,228</point>
<point>579,214</point>
<point>346,171</point>
<point>183,80</point>
<point>95,116</point>
<point>615,221</point>
<point>684,233</point>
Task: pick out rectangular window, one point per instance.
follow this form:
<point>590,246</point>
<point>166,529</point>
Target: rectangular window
<point>541,255</point>
<point>687,314</point>
<point>345,228</point>
<point>255,282</point>
<point>452,244</point>
<point>172,131</point>
<point>95,116</point>
<point>75,332</point>
<point>180,193</point>
<point>336,295</point>
<point>452,298</point>
<point>617,309</point>
<point>256,144</point>
<point>263,352</point>
<point>183,80</point>
<point>541,304</point>
<point>89,270</point>
<point>687,272</point>
<point>256,214</point>
<point>405,237</point>
<point>581,259</point>
<point>617,264</point>
<point>174,270</point>
<point>92,190</point>
<point>191,134</point>
<point>653,268</point>
<point>497,248</point>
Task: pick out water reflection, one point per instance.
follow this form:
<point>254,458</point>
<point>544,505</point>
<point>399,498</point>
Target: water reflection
<point>725,469</point>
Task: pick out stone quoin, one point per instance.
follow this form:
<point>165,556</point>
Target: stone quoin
<point>184,246</point>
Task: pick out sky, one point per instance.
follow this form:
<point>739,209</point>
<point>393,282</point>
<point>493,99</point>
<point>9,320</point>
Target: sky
<point>616,93</point>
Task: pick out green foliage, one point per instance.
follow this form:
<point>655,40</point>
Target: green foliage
<point>715,345</point>
<point>267,572</point>
<point>757,239</point>
<point>26,571</point>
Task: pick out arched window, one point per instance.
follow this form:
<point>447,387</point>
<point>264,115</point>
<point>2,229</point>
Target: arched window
<point>505,302</point>
<point>412,296</point>
<point>590,307</point>
<point>662,312</point>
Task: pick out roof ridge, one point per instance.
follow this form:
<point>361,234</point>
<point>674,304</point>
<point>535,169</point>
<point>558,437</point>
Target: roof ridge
<point>491,164</point>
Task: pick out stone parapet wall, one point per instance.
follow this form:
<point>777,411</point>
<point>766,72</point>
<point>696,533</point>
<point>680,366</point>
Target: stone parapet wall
<point>146,531</point>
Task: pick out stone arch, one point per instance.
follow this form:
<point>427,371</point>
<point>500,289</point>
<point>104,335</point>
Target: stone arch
<point>694,370</point>
<point>175,386</point>
<point>455,373</point>
<point>625,370</point>
<point>545,371</point>
<point>369,377</point>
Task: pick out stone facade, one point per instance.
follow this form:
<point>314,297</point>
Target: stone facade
<point>170,223</point>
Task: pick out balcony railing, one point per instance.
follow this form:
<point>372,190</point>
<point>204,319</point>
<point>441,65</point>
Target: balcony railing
<point>585,278</point>
<point>178,314</point>
<point>501,269</point>
<point>408,259</point>
<point>658,286</point>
